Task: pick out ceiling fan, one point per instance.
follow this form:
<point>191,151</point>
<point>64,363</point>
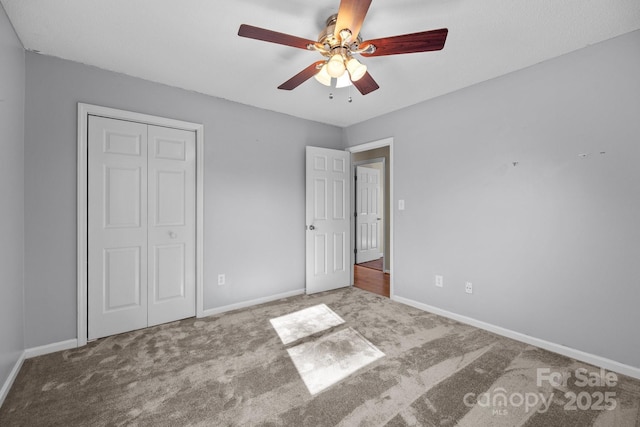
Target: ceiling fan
<point>340,41</point>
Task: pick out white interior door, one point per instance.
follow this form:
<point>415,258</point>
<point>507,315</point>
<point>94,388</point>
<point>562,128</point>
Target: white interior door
<point>172,225</point>
<point>117,226</point>
<point>368,217</point>
<point>141,226</point>
<point>327,219</point>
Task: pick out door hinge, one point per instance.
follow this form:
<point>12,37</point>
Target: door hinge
<point>355,251</point>
<point>355,214</point>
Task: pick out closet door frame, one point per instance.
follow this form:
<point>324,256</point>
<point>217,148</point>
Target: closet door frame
<point>86,110</point>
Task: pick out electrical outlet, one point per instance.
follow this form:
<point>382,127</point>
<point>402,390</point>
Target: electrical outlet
<point>221,279</point>
<point>468,287</point>
<point>439,281</point>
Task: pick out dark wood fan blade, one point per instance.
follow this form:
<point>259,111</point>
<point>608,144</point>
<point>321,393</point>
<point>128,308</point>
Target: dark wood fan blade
<point>302,76</point>
<point>408,43</point>
<point>257,33</point>
<point>351,15</point>
<point>366,84</point>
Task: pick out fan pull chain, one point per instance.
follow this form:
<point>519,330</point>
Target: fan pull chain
<point>349,99</point>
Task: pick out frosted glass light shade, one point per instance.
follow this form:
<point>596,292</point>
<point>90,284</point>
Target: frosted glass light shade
<point>356,69</point>
<point>323,76</point>
<point>343,81</point>
<point>335,66</point>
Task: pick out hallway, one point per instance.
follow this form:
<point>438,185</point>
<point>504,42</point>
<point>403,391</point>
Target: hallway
<point>372,280</point>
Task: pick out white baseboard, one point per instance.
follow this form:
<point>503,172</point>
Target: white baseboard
<point>599,361</point>
<point>244,304</point>
<point>29,353</point>
<point>50,348</point>
<point>4,391</point>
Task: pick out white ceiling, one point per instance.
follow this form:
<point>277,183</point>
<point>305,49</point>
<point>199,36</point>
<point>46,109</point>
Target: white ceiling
<point>193,44</point>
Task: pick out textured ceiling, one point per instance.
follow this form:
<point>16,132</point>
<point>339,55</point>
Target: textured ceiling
<point>193,44</point>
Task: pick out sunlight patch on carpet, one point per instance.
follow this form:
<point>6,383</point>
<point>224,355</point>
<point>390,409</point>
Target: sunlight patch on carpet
<point>332,358</point>
<point>306,322</point>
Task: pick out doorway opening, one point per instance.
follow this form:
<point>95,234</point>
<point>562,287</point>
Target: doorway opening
<point>373,216</point>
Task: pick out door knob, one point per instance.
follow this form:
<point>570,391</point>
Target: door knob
<point>311,227</point>
<point>173,235</point>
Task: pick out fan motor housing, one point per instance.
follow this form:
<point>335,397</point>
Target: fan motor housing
<point>328,39</point>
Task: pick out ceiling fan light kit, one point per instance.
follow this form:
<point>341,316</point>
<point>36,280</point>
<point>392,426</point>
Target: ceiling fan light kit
<point>335,65</point>
<point>356,69</point>
<point>323,76</point>
<point>343,81</point>
<point>339,41</point>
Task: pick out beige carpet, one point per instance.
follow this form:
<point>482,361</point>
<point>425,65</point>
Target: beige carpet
<point>324,361</point>
<point>233,370</point>
<point>304,323</point>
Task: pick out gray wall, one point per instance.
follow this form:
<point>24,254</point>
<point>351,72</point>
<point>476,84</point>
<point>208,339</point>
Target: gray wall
<point>12,84</point>
<point>254,188</point>
<point>552,245</point>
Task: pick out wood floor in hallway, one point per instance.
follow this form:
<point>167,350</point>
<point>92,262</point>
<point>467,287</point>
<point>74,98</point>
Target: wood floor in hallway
<point>371,280</point>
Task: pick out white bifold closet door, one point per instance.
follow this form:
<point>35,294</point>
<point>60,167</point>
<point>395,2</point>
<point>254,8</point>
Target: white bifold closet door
<point>141,225</point>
